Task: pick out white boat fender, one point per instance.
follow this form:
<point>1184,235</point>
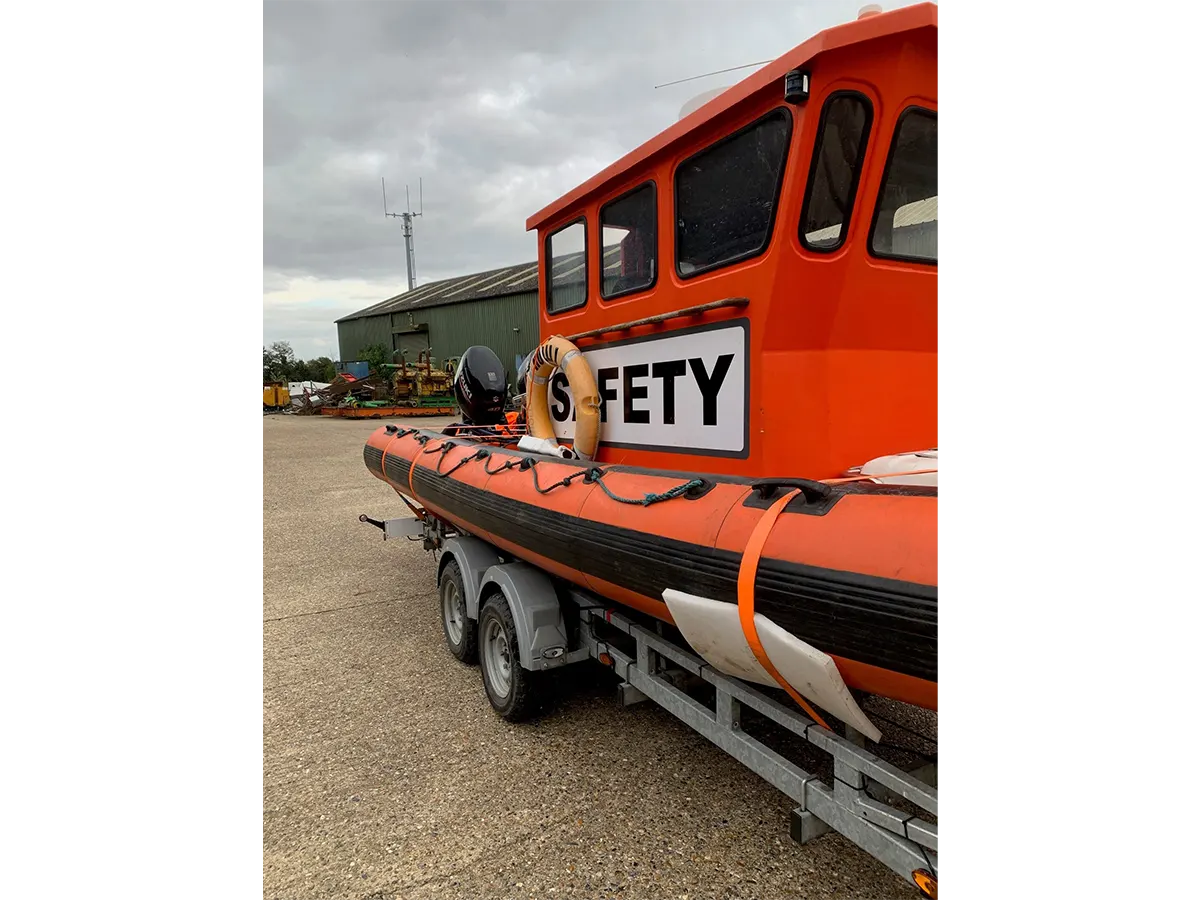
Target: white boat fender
<point>914,467</point>
<point>714,631</point>
<point>544,447</point>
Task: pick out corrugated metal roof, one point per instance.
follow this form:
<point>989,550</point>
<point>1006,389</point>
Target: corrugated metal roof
<point>493,283</point>
<point>479,286</point>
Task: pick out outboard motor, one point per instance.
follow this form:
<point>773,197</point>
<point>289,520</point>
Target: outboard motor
<point>480,388</point>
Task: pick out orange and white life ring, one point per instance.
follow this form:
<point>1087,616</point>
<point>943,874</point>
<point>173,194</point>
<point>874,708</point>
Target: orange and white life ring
<point>559,353</point>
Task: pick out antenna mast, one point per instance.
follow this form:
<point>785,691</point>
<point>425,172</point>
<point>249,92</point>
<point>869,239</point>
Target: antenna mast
<point>406,220</point>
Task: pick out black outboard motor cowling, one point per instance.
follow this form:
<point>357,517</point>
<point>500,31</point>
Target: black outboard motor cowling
<point>480,387</point>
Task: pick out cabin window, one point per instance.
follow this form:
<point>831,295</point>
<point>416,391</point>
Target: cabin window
<point>726,196</point>
<point>836,167</point>
<point>907,216</point>
<point>628,233</point>
<point>566,267</point>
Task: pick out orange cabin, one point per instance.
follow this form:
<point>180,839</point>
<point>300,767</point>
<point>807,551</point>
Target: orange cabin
<point>799,207</point>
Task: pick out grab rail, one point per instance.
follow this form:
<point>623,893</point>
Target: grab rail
<point>663,317</point>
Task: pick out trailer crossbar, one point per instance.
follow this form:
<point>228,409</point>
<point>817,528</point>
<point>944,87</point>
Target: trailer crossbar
<point>904,842</point>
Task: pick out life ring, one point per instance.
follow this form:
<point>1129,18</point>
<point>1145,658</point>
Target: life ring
<point>559,353</point>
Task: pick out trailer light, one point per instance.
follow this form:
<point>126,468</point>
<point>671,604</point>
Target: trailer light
<point>605,659</point>
<point>925,883</point>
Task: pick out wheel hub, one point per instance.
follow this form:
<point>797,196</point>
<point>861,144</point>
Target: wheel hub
<point>498,658</point>
<point>452,610</point>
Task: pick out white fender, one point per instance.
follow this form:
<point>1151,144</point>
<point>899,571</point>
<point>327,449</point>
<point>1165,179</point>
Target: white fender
<point>713,630</point>
<point>886,469</point>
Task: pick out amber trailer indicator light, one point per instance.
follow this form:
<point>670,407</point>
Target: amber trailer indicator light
<point>926,883</point>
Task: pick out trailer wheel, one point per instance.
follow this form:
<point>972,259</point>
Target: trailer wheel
<point>460,631</point>
<point>515,693</point>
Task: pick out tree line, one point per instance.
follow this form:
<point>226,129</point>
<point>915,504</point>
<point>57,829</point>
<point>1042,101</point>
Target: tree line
<point>280,364</point>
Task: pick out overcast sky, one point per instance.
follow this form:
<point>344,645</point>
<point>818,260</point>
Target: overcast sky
<point>499,107</point>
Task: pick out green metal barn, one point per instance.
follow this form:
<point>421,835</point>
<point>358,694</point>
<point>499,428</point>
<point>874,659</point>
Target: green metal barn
<point>497,309</point>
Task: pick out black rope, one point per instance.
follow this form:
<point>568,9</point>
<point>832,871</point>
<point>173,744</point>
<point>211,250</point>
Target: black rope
<point>593,475</point>
<point>512,463</point>
<point>537,487</point>
<point>478,454</point>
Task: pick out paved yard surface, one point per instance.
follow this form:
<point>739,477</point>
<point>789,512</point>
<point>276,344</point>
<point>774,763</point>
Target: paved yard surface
<point>387,775</point>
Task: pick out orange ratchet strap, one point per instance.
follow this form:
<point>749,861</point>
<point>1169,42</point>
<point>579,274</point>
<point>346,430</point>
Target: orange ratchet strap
<point>419,513</point>
<point>851,478</point>
<point>383,460</point>
<point>747,574</point>
<point>412,468</point>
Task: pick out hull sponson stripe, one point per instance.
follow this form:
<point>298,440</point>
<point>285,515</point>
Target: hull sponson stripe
<point>850,487</point>
<point>884,622</point>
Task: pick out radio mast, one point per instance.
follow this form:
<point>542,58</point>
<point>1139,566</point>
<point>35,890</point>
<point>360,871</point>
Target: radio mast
<point>406,219</point>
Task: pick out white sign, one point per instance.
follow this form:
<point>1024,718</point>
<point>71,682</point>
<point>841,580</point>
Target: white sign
<point>684,391</point>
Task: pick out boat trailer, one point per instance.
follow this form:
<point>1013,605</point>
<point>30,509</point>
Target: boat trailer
<point>883,809</point>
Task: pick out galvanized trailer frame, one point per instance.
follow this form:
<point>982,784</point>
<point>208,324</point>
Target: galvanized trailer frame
<point>859,803</point>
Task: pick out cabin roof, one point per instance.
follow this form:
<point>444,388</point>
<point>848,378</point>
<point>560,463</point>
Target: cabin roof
<point>896,21</point>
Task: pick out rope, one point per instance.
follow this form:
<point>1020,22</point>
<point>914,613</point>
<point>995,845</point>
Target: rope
<point>595,476</point>
<point>512,463</point>
<point>479,454</point>
<point>582,473</point>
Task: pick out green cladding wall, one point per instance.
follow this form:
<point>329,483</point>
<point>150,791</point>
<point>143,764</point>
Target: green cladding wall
<point>450,329</point>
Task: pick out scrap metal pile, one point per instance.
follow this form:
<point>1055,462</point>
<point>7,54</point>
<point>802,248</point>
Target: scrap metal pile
<point>343,391</point>
<point>402,388</point>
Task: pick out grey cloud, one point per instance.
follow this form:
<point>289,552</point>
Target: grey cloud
<point>499,107</point>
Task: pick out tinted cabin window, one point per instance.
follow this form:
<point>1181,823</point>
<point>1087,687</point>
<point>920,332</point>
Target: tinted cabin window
<point>907,217</point>
<point>726,195</point>
<point>566,268</point>
<point>627,235</point>
<point>837,164</point>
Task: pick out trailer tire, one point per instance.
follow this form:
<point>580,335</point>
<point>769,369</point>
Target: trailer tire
<point>461,632</point>
<point>515,693</point>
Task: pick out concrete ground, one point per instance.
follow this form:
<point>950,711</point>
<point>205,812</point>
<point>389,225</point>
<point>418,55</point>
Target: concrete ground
<point>386,774</point>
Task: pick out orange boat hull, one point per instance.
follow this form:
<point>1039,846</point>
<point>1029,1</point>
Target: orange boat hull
<point>854,574</point>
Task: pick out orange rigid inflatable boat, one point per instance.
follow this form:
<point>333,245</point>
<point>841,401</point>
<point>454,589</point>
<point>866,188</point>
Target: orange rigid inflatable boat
<point>754,294</point>
<point>849,568</point>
